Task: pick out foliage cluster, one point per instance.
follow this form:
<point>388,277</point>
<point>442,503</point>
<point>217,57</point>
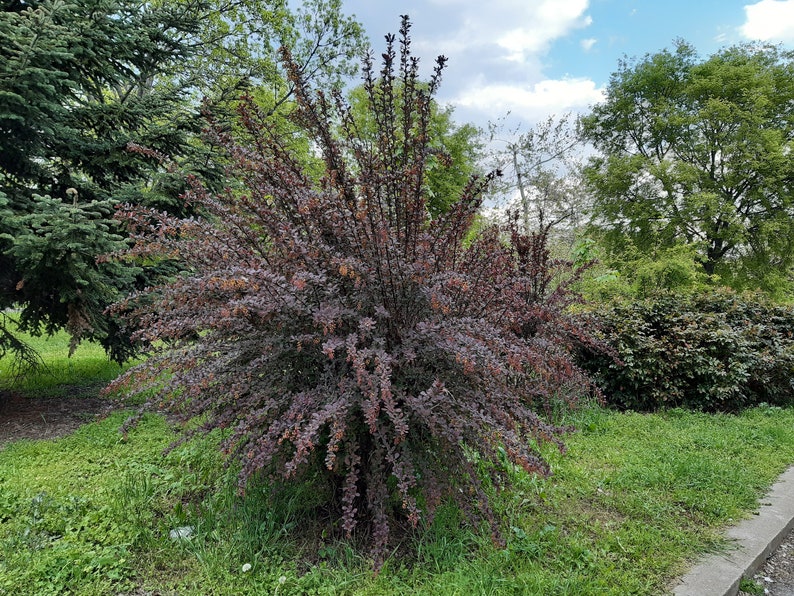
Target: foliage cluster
<point>343,335</point>
<point>634,274</point>
<point>713,351</point>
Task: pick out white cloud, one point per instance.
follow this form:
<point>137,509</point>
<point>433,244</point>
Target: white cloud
<point>498,54</point>
<point>534,102</point>
<point>519,42</point>
<point>517,30</point>
<point>769,20</point>
<point>548,20</point>
<point>587,44</point>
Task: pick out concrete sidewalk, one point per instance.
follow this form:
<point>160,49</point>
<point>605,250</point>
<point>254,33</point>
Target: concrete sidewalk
<point>755,539</point>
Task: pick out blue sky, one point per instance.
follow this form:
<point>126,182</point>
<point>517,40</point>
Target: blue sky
<point>534,58</point>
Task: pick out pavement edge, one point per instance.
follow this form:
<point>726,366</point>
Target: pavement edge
<point>754,540</point>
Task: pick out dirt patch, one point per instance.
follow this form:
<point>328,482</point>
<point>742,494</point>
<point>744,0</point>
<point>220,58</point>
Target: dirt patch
<point>46,417</point>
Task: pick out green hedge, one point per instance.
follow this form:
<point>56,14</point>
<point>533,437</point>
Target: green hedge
<point>708,351</point>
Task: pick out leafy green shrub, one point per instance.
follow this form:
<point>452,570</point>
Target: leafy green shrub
<point>712,351</point>
<point>342,335</point>
<point>632,274</point>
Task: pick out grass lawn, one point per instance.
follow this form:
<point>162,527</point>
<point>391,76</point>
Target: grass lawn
<point>632,502</point>
<point>87,370</point>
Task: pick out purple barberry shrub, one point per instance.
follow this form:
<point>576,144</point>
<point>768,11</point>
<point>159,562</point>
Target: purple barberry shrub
<point>329,324</point>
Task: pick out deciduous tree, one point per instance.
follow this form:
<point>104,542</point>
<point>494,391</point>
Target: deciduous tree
<point>541,175</point>
<point>697,151</point>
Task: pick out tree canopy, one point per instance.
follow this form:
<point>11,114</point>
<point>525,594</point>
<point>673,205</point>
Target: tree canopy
<point>697,151</point>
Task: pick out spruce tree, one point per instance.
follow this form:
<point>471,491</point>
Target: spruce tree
<point>79,83</point>
<point>95,97</point>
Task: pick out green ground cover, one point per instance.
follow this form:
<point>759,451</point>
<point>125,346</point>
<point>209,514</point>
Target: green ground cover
<point>87,369</point>
<point>635,498</point>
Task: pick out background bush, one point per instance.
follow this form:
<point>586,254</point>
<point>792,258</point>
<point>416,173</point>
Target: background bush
<point>711,351</point>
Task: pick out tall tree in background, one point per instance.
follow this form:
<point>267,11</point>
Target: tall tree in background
<point>541,175</point>
<point>237,47</point>
<point>78,82</point>
<point>698,152</point>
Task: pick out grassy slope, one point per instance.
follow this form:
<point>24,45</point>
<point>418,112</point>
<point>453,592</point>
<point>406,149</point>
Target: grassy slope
<point>631,501</point>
